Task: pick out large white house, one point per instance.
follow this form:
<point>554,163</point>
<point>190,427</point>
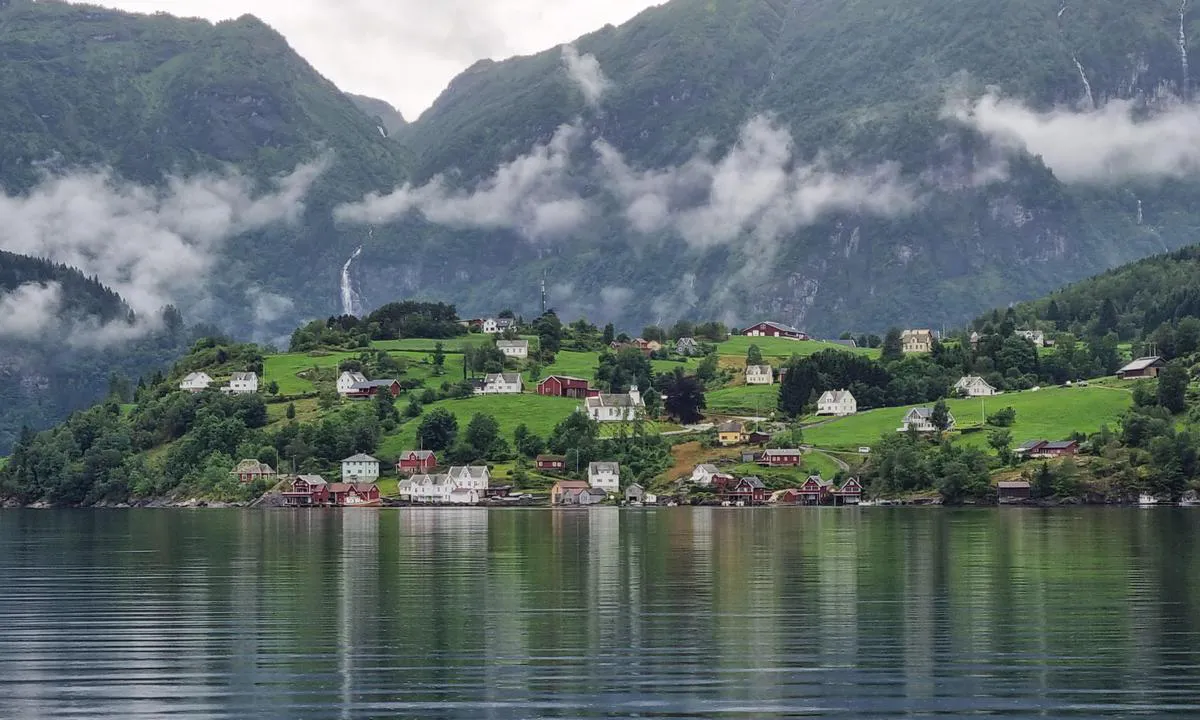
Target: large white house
<point>703,474</point>
<point>921,420</point>
<point>917,341</point>
<point>348,380</point>
<point>615,408</point>
<point>195,382</point>
<point>605,476</point>
<point>760,375</point>
<point>838,403</point>
<point>500,384</point>
<point>459,486</point>
<point>243,383</point>
<point>427,488</point>
<point>360,469</point>
<point>974,386</point>
<point>471,477</point>
<point>495,326</point>
<point>515,349</point>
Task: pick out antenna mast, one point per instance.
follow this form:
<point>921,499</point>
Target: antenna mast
<point>543,292</point>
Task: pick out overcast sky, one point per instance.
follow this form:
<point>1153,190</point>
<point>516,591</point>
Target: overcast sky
<point>407,51</point>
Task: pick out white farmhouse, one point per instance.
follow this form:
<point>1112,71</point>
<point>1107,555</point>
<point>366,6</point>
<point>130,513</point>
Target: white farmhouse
<point>974,386</point>
<point>515,349</point>
<point>243,383</point>
<point>838,403</point>
<point>921,420</point>
<point>615,408</point>
<point>760,375</point>
<point>471,477</point>
<point>495,326</point>
<point>500,384</point>
<point>195,382</point>
<point>605,476</point>
<point>1037,337</point>
<point>703,475</point>
<point>460,486</point>
<point>360,469</point>
<point>347,381</point>
<point>428,488</point>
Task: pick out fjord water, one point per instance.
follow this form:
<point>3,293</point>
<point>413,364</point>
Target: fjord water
<point>679,613</point>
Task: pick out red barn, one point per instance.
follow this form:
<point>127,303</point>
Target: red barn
<point>787,457</point>
<point>416,462</point>
<point>353,494</point>
<point>371,388</point>
<point>563,386</point>
<point>307,491</point>
<point>774,329</point>
<point>551,462</point>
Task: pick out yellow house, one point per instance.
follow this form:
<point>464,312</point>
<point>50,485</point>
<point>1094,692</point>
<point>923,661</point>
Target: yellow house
<point>729,433</point>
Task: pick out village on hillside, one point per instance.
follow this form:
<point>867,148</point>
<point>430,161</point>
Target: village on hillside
<point>714,409</point>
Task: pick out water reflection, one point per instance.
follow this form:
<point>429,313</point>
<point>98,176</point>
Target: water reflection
<point>678,613</point>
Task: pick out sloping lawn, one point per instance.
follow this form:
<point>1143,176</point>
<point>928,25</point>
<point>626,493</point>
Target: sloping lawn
<point>781,348</point>
<point>1051,414</point>
<point>283,369</point>
<point>573,364</point>
<point>743,399</point>
<point>540,413</point>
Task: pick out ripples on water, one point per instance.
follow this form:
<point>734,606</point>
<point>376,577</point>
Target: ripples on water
<point>672,613</point>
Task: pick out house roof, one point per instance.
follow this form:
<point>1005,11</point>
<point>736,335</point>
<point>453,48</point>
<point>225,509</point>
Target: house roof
<point>708,468</point>
<point>754,482</point>
<point>758,369</point>
<point>969,380</point>
<point>1141,364</point>
<point>312,479</point>
<point>252,467</point>
<point>599,467</point>
<point>782,451</point>
<point>686,341</point>
<point>922,412</point>
<point>368,384</point>
<point>562,377</point>
<point>1060,445</point>
<point>635,487</point>
<point>1013,485</point>
<point>835,396</point>
<point>507,378</point>
<point>440,479</point>
<point>420,454</point>
<point>572,485</point>
<point>512,344</point>
<point>605,400</point>
<point>470,471</point>
<point>731,426</point>
<point>244,376</point>
<point>355,376</point>
<point>551,458</point>
<point>361,457</point>
<point>777,326</point>
<point>595,492</point>
<point>918,333</point>
<point>347,487</point>
<point>197,376</point>
<point>1031,444</point>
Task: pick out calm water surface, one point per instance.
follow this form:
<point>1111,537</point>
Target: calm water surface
<point>672,613</point>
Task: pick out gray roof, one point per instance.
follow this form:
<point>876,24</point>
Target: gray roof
<point>1141,364</point>
<point>421,454</point>
<point>1013,485</point>
<point>512,344</point>
<point>604,467</point>
<point>361,457</point>
<point>475,471</point>
<point>836,395</point>
<point>594,492</point>
<point>922,412</point>
<point>244,376</point>
<point>761,369</point>
<point>711,469</point>
<point>1060,444</point>
<point>606,400</point>
<point>777,326</point>
<point>313,479</point>
<point>508,378</point>
<point>373,384</point>
<point>754,481</point>
<point>731,426</point>
<point>782,451</point>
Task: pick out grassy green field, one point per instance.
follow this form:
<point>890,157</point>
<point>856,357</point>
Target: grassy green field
<point>782,348</point>
<point>283,369</point>
<point>1051,414</point>
<point>540,413</point>
<point>811,463</point>
<point>583,365</point>
<point>744,400</point>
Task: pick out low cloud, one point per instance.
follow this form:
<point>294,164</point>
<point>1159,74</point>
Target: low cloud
<point>154,246</point>
<point>759,190</point>
<point>27,311</point>
<point>586,73</point>
<point>529,195</point>
<point>1114,143</point>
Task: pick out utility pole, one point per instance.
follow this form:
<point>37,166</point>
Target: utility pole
<point>543,292</point>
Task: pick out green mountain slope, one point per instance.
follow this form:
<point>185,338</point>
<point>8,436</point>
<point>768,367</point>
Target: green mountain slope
<point>43,375</point>
<point>858,84</point>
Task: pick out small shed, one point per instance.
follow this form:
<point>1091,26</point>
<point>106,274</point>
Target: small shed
<point>1013,491</point>
<point>635,493</point>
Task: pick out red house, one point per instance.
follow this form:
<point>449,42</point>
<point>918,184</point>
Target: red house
<point>551,462</point>
<point>1067,448</point>
<point>307,491</point>
<point>774,329</point>
<point>563,386</point>
<point>815,491</point>
<point>850,493</point>
<point>416,462</point>
<point>747,490</point>
<point>789,457</point>
<point>371,388</point>
<point>353,494</point>
<point>791,496</point>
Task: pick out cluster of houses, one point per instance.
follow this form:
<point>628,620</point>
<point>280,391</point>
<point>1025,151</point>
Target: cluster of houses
<point>240,383</point>
<point>751,490</point>
<point>356,386</point>
<point>358,488</point>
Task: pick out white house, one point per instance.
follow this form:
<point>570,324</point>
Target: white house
<point>838,403</point>
<point>495,326</point>
<point>605,476</point>
<point>500,384</point>
<point>615,408</point>
<point>195,382</point>
<point>760,375</point>
<point>515,349</point>
<point>471,477</point>
<point>974,386</point>
<point>703,474</point>
<point>428,488</point>
<point>1037,337</point>
<point>243,384</point>
<point>921,420</point>
<point>347,381</point>
<point>687,346</point>
<point>360,469</point>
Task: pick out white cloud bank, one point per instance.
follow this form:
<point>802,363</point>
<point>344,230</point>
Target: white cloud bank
<point>586,73</point>
<point>154,246</point>
<point>1112,144</point>
<point>529,195</point>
